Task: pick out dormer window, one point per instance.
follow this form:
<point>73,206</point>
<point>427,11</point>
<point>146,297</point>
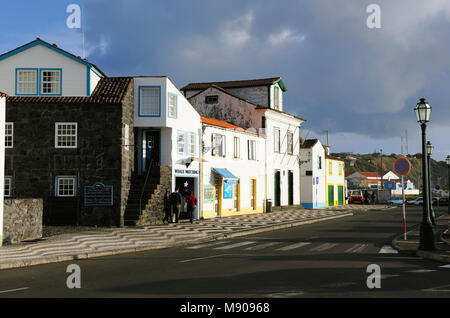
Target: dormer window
<point>50,82</point>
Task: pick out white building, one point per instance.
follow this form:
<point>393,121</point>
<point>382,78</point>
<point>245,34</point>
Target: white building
<point>312,160</point>
<point>233,170</point>
<point>2,159</point>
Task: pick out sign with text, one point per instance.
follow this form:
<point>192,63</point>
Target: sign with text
<point>208,194</point>
<point>98,195</point>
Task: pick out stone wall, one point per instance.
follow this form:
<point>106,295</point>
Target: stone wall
<point>22,220</point>
<point>155,209</point>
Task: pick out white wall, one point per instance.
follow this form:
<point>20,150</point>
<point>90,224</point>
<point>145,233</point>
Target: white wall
<point>74,74</point>
<point>313,187</point>
<point>2,161</point>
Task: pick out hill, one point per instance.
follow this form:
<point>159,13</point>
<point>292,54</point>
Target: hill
<point>370,162</point>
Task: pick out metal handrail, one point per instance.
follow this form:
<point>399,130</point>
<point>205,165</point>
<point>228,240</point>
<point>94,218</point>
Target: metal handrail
<point>145,183</point>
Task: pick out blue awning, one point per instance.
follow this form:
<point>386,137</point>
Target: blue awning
<point>228,177</point>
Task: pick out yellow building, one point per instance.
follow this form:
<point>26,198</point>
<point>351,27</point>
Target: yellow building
<point>335,180</point>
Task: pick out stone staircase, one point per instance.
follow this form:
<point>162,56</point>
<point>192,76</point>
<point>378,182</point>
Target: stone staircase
<point>153,198</point>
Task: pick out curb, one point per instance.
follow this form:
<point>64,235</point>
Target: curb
<point>64,258</point>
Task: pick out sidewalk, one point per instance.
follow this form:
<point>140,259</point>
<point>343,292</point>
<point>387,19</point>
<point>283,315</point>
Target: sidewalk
<point>442,239</point>
<point>111,241</point>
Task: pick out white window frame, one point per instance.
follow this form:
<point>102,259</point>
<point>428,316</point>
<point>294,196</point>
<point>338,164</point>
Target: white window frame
<point>58,180</point>
<point>191,143</point>
<point>172,108</point>
<point>290,143</point>
<point>181,142</point>
<point>215,138</point>
<point>7,134</point>
<point>186,143</point>
<point>141,111</point>
<point>251,149</point>
<point>58,81</point>
<point>236,147</point>
<point>276,97</point>
<point>66,135</point>
<point>277,143</point>
<point>7,185</point>
<point>35,82</point>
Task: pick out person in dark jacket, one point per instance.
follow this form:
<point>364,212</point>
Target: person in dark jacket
<point>191,201</point>
<point>167,209</point>
<point>175,201</point>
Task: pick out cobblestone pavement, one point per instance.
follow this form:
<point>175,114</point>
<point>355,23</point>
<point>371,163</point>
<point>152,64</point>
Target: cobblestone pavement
<point>102,242</point>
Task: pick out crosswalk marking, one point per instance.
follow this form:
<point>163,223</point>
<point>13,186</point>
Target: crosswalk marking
<point>357,248</point>
<point>387,249</point>
<point>261,246</point>
<point>205,245</point>
<point>445,266</point>
<point>323,247</point>
<point>421,271</point>
<point>227,247</point>
<point>293,246</point>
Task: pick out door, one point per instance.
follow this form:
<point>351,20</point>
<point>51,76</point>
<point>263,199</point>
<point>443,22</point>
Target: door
<point>330,195</point>
<point>277,189</point>
<point>253,194</point>
<point>150,148</point>
<point>291,187</point>
<point>341,195</point>
<point>217,195</point>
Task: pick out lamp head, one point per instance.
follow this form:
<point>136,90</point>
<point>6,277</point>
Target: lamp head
<point>423,111</point>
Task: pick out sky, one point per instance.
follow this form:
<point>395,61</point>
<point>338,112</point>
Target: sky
<point>358,83</point>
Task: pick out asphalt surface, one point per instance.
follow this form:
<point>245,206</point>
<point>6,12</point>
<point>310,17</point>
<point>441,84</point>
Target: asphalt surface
<point>326,259</point>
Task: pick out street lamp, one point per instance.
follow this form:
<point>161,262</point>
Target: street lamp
<point>448,166</point>
<point>430,148</point>
<point>423,113</point>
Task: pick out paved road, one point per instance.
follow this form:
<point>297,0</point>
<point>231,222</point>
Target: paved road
<point>327,259</point>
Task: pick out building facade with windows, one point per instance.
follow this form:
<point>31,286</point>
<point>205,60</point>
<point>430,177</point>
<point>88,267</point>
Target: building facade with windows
<point>3,181</point>
<point>336,188</point>
<point>233,170</point>
<point>312,163</point>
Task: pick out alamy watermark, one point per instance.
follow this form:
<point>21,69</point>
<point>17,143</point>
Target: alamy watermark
<point>74,279</point>
<point>74,19</point>
<point>374,279</point>
<point>374,19</point>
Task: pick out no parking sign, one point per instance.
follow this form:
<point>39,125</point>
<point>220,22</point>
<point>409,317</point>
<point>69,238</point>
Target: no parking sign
<point>402,166</point>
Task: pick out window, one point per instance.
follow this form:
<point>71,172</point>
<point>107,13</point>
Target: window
<point>9,134</point>
<point>66,135</point>
<point>340,169</point>
<point>212,99</point>
<point>186,143</point>
<point>173,105</point>
<point>192,144</point>
<point>290,143</point>
<point>218,143</point>
<point>150,101</point>
<point>330,168</point>
<point>319,161</point>
<point>276,139</point>
<point>251,150</point>
<point>65,186</point>
<point>7,187</point>
<point>26,81</point>
<point>50,82</point>
<point>181,143</point>
<point>237,147</point>
<point>276,97</point>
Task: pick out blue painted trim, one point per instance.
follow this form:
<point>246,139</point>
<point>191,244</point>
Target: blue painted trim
<point>315,205</point>
<point>139,102</point>
<point>58,50</point>
<point>88,81</point>
<point>105,186</point>
<point>9,180</point>
<point>186,141</point>
<point>37,81</point>
<point>60,81</point>
<point>57,186</point>
<point>168,103</point>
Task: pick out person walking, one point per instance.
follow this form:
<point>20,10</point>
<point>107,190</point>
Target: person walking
<point>167,209</point>
<point>373,198</point>
<point>175,201</point>
<point>191,201</point>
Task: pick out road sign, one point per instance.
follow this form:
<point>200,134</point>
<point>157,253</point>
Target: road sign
<point>390,185</point>
<point>402,166</point>
<point>438,187</point>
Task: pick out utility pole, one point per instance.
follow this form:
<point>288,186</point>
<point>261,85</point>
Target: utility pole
<point>381,151</point>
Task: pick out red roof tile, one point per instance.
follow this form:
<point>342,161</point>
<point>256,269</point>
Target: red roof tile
<point>224,124</point>
<point>3,95</point>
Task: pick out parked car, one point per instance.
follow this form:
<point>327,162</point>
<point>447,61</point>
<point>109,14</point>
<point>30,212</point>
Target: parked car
<point>395,201</point>
<point>443,201</point>
<point>355,196</point>
<point>415,201</point>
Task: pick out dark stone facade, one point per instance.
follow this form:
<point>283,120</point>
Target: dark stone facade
<point>22,220</point>
<point>100,156</point>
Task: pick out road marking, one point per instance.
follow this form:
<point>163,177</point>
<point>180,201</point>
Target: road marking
<point>421,271</point>
<point>388,276</point>
<point>338,285</point>
<point>438,289</point>
<point>387,249</point>
<point>209,257</point>
<point>398,257</point>
<point>293,246</point>
<point>261,246</point>
<point>13,290</point>
<point>205,245</point>
<point>357,248</point>
<point>323,247</point>
<point>227,247</point>
<point>445,266</point>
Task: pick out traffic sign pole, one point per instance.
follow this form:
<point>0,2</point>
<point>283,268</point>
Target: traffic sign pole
<point>402,167</point>
<point>404,209</point>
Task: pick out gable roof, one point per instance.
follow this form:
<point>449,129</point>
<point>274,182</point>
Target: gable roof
<point>55,48</point>
<point>3,95</point>
<point>309,143</point>
<point>333,158</point>
<point>109,90</point>
<point>226,92</point>
<point>236,84</point>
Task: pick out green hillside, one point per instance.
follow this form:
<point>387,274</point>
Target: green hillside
<point>369,162</point>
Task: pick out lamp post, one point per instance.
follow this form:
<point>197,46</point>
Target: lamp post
<point>381,153</point>
<point>448,166</point>
<point>430,148</point>
<point>423,113</point>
